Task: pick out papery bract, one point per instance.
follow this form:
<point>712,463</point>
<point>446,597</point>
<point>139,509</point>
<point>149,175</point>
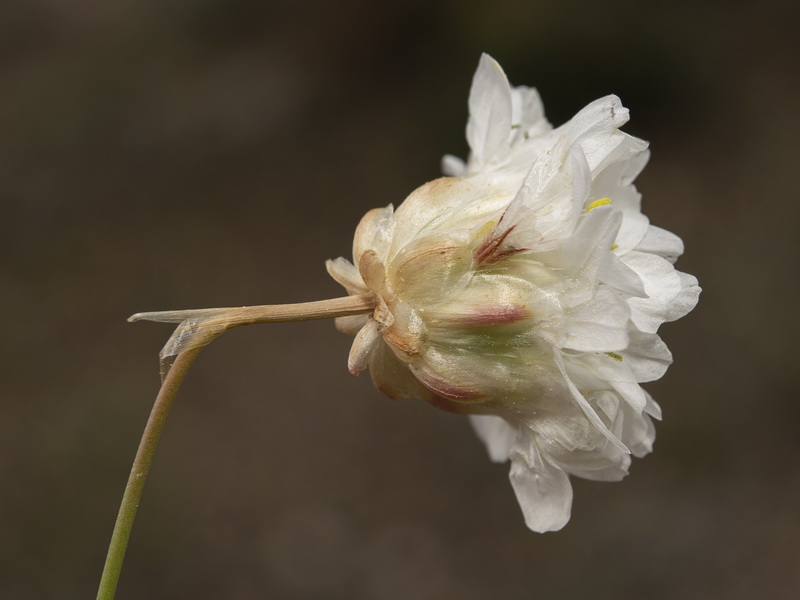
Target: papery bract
<point>525,289</point>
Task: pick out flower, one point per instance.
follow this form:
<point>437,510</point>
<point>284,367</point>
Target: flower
<point>525,290</point>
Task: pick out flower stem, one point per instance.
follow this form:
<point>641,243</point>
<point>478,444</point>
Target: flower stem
<point>216,321</point>
<point>138,475</point>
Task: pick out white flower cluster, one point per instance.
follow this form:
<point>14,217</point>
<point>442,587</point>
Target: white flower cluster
<point>526,290</point>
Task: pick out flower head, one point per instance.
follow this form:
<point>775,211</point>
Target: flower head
<point>525,289</point>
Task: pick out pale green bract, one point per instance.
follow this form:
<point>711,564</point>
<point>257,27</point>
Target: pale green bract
<point>525,289</point>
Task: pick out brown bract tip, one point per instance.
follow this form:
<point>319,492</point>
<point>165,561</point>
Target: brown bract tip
<point>493,251</point>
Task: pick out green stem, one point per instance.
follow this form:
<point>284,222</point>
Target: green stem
<point>216,321</point>
<point>141,465</point>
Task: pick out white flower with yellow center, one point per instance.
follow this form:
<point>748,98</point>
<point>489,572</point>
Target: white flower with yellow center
<point>525,290</point>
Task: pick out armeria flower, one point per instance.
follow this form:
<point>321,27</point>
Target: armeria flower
<point>525,289</point>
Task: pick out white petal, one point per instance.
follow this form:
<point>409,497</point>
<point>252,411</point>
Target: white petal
<point>452,166</point>
<point>634,223</point>
<point>526,106</point>
<point>527,114</point>
<point>604,114</point>
<point>662,243</point>
<point>581,178</point>
<point>602,372</point>
<point>595,128</point>
<point>362,347</point>
<point>647,356</point>
<point>625,161</point>
<point>548,203</point>
<point>662,285</point>
<point>614,179</point>
<point>497,433</point>
<point>686,299</point>
<point>671,294</point>
<point>652,408</point>
<point>489,122</point>
<point>543,490</point>
<point>622,278</point>
<point>634,154</point>
<point>573,444</point>
<point>627,200</point>
<point>584,405</point>
<point>640,434</point>
<point>632,425</point>
<point>599,325</point>
<point>602,469</point>
<point>588,251</point>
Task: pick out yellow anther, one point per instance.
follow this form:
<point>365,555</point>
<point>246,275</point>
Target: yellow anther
<point>615,356</point>
<point>600,202</point>
<point>614,247</point>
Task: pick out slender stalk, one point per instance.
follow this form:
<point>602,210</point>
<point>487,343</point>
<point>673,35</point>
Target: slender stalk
<point>206,325</point>
<point>268,313</point>
<point>138,475</point>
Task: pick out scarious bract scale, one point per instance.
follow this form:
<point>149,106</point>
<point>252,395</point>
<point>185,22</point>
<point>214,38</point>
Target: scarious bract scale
<point>525,289</point>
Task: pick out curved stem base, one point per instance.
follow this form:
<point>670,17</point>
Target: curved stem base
<point>197,328</point>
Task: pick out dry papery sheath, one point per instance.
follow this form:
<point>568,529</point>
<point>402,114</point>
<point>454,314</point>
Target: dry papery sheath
<point>525,289</point>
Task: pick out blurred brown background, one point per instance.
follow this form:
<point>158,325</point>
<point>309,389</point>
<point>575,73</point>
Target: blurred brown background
<point>191,153</point>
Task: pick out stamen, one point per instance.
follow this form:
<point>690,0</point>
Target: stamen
<point>596,203</point>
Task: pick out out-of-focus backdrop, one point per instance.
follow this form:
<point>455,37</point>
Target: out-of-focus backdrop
<point>175,154</point>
